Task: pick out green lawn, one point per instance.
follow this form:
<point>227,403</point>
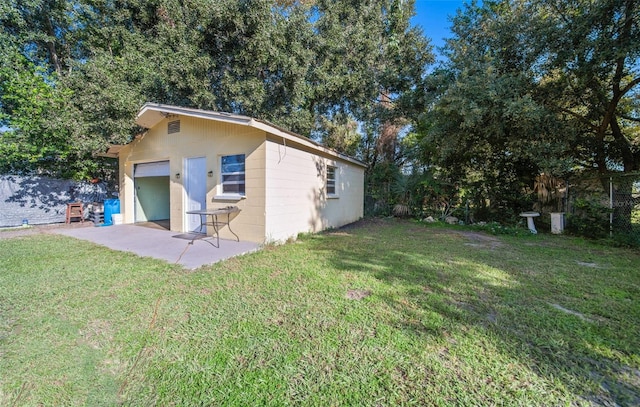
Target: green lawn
<point>382,313</point>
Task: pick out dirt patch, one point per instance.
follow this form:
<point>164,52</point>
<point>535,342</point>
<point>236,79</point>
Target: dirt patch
<point>366,223</point>
<point>588,264</point>
<point>10,233</point>
<point>478,236</point>
<point>357,294</point>
<point>480,240</point>
<point>18,232</point>
<point>98,334</point>
<point>571,312</point>
<point>338,234</point>
<point>473,239</point>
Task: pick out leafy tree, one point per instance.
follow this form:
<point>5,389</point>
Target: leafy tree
<point>261,56</point>
<point>588,52</point>
<point>485,131</point>
<point>51,132</point>
<point>531,87</point>
<point>44,29</point>
<point>315,67</point>
<point>27,97</point>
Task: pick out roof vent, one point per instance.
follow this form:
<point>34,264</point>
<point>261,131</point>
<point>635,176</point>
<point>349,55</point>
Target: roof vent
<point>173,127</point>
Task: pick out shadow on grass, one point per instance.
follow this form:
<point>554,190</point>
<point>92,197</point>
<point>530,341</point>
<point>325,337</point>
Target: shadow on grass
<point>563,318</point>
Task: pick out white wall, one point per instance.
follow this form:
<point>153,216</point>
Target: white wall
<point>296,199</point>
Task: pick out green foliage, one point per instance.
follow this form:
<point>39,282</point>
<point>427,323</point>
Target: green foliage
<point>380,180</point>
<point>629,238</point>
<point>529,88</point>
<point>432,196</point>
<point>33,109</point>
<point>498,229</point>
<point>316,68</point>
<point>590,219</point>
<point>592,75</point>
<point>487,133</point>
<point>341,134</point>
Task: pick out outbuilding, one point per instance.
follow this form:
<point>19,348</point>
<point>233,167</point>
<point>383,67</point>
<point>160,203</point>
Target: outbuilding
<point>189,159</point>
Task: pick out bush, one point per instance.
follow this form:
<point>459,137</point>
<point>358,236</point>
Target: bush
<point>629,239</point>
<point>496,228</point>
<point>590,219</point>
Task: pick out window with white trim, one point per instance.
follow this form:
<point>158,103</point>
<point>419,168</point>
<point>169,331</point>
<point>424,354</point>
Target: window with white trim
<point>232,174</point>
<point>331,180</point>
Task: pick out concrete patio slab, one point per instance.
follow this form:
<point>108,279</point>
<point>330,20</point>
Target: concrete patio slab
<point>161,244</point>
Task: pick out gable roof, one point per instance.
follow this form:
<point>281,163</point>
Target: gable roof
<point>151,114</point>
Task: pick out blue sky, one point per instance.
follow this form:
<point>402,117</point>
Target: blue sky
<point>433,17</point>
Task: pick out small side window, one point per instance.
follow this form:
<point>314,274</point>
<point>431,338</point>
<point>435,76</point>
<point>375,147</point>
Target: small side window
<point>331,180</point>
<point>232,173</point>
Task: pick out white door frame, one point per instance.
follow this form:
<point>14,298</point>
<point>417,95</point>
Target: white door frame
<point>194,199</point>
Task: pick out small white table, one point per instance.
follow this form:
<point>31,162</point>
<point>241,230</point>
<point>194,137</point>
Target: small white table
<point>530,224</point>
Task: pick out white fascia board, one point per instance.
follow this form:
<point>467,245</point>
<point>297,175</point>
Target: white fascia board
<point>307,142</point>
<point>153,113</point>
<point>112,151</point>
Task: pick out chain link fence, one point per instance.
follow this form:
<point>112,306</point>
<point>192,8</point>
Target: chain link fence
<point>588,205</point>
<point>605,206</point>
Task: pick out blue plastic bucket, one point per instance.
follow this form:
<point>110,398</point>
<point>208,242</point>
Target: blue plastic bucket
<point>111,206</point>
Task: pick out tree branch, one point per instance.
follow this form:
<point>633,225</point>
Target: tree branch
<point>626,147</point>
<point>579,117</point>
<point>633,119</point>
<point>629,86</point>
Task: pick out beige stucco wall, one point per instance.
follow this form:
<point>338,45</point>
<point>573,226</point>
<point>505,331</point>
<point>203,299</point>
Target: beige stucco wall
<point>201,138</point>
<point>285,183</point>
<point>296,199</point>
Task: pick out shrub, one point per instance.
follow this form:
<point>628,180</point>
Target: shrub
<point>590,219</point>
<point>496,228</point>
<point>628,239</point>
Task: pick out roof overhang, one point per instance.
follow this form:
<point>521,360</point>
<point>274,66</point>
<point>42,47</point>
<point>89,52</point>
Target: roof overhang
<point>153,113</point>
<point>112,151</point>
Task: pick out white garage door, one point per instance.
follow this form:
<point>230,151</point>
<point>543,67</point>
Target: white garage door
<point>155,169</point>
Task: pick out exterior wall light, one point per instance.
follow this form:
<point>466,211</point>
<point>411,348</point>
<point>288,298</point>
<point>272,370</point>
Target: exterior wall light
<point>210,174</point>
<point>177,175</point>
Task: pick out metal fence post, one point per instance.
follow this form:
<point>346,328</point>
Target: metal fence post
<point>610,206</point>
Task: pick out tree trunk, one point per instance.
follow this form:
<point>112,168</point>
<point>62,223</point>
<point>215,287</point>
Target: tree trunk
<point>630,159</point>
<point>51,47</point>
